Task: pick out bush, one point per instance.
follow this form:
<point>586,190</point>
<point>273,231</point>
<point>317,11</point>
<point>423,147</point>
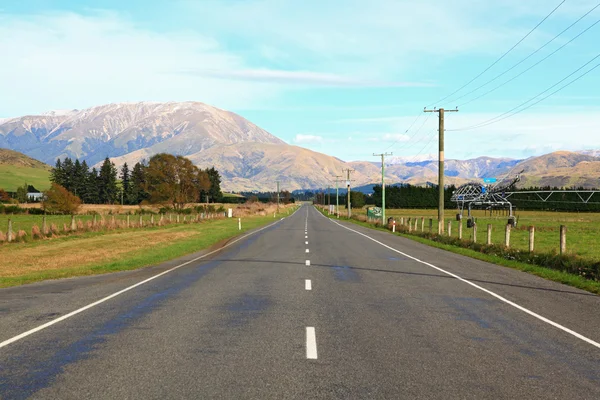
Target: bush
<point>59,200</point>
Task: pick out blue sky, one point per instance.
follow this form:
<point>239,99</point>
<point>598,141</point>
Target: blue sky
<point>346,78</point>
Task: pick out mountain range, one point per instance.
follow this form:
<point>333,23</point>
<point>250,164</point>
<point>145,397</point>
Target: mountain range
<point>248,157</point>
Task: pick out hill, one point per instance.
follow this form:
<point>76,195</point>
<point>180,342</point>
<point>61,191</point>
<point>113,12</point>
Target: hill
<point>17,169</point>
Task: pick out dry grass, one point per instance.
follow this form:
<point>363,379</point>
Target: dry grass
<point>94,250</point>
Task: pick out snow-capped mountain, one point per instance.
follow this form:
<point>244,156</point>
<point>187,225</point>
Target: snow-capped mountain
<point>118,129</point>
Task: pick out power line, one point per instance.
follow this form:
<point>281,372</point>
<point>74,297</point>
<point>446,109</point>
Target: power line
<point>501,57</point>
<point>530,67</point>
<point>512,111</point>
<point>530,55</point>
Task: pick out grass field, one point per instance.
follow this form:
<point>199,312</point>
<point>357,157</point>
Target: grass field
<point>11,177</point>
<point>97,253</point>
<point>583,229</point>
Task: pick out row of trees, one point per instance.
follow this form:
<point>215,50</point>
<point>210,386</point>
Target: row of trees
<point>164,178</point>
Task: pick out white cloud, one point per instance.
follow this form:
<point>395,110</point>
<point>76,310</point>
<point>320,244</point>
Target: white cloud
<point>308,139</point>
<point>67,60</point>
<point>300,77</point>
<point>395,137</point>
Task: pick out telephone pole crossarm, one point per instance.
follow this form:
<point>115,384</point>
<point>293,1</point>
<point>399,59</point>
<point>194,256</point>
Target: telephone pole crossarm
<point>440,112</point>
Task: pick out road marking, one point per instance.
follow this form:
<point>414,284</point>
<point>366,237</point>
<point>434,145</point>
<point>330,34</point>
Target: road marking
<point>307,262</point>
<point>80,310</point>
<point>308,284</point>
<point>505,300</point>
<point>307,250</point>
<point>305,236</point>
<point>305,242</point>
<point>311,343</point>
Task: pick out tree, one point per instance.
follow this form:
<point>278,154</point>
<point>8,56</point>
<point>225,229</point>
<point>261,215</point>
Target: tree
<point>125,181</point>
<point>92,192</point>
<point>59,200</point>
<point>4,196</point>
<point>107,182</point>
<point>137,192</point>
<point>357,199</point>
<point>21,194</point>
<point>172,179</point>
<point>57,174</point>
<point>214,192</point>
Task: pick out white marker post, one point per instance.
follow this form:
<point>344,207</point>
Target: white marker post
<point>394,225</point>
<point>239,224</point>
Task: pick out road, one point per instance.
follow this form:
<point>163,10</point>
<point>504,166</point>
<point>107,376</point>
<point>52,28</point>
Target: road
<point>304,308</point>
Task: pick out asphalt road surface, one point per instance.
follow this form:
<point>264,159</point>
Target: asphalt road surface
<point>304,308</point>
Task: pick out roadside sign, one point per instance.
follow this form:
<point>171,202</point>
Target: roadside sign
<point>347,183</point>
<point>489,180</point>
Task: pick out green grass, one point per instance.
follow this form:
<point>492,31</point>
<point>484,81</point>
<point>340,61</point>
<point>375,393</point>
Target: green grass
<point>546,273</point>
<point>204,235</point>
<point>12,177</point>
<point>583,235</point>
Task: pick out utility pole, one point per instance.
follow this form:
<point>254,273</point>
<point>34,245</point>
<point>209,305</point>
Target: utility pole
<point>440,112</point>
<point>277,197</point>
<point>337,196</point>
<point>383,185</point>
<point>348,171</point>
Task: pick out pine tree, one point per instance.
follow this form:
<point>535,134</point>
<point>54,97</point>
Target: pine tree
<point>91,187</point>
<point>68,168</point>
<point>125,182</point>
<point>57,174</point>
<point>214,192</point>
<point>137,185</point>
<point>108,182</point>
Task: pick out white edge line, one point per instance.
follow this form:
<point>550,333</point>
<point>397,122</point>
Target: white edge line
<point>515,305</point>
<point>311,343</point>
<point>307,284</point>
<point>73,313</point>
<point>307,250</point>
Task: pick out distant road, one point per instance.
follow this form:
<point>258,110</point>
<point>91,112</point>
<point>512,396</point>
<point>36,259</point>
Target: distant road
<point>304,308</point>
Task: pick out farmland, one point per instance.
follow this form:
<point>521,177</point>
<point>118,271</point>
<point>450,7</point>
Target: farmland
<point>583,234</point>
<point>11,177</point>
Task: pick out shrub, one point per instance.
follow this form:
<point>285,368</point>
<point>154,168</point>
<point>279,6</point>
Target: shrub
<point>54,229</point>
<point>21,235</point>
<point>2,237</point>
<point>59,200</point>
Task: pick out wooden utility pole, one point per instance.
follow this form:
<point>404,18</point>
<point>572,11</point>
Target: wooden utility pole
<point>337,196</point>
<point>348,171</point>
<point>440,112</point>
<point>383,186</point>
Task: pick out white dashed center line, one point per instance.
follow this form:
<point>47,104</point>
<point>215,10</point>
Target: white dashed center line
<point>307,250</point>
<point>308,284</point>
<point>305,242</point>
<point>307,262</point>
<point>311,343</point>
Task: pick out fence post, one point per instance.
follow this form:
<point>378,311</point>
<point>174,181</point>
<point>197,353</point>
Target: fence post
<point>430,224</point>
<point>489,234</point>
<point>460,229</point>
<point>416,224</point>
<point>177,218</point>
<point>474,232</point>
<point>141,221</point>
<point>73,226</point>
<point>449,228</point>
<point>152,219</point>
<point>94,221</point>
<point>422,224</point>
<point>531,238</point>
<point>401,220</point>
<point>507,235</point>
<point>409,225</point>
<point>10,233</point>
<point>128,220</point>
<point>170,217</point>
<point>563,239</point>
<point>44,226</point>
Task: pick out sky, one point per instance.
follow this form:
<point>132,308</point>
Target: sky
<point>347,78</point>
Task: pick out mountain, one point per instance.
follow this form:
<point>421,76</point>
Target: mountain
<point>114,130</point>
<point>561,169</point>
<point>16,169</point>
<point>250,158</point>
